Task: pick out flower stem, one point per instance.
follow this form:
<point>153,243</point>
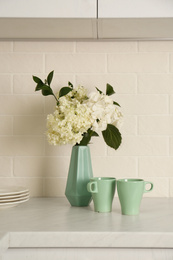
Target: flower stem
<point>55,97</point>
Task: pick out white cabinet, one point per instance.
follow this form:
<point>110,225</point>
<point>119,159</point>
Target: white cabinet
<point>48,19</point>
<point>149,19</point>
<point>48,9</point>
<point>135,8</point>
<point>86,19</point>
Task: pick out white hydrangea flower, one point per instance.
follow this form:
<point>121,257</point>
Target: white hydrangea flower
<point>70,120</point>
<point>76,113</point>
<point>103,111</point>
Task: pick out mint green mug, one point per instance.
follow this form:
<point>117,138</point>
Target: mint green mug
<point>130,193</point>
<point>102,190</point>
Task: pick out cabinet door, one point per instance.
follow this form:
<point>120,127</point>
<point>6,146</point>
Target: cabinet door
<point>52,19</point>
<point>135,19</point>
<point>135,8</point>
<point>49,9</point>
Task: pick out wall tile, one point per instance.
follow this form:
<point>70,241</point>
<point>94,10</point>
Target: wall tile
<point>6,46</point>
<point>171,187</point>
<point>24,84</point>
<point>161,187</point>
<point>98,146</point>
<point>21,105</point>
<point>155,167</point>
<point>28,146</point>
<point>6,166</point>
<point>155,83</point>
<point>122,83</point>
<point>171,103</point>
<point>54,187</point>
<point>143,104</point>
<point>43,46</point>
<point>18,63</point>
<point>41,166</point>
<point>29,125</point>
<point>21,146</point>
<point>156,46</point>
<point>129,126</point>
<point>171,62</point>
<point>75,63</point>
<point>5,84</point>
<point>117,167</point>
<point>29,166</point>
<point>142,78</point>
<point>6,146</point>
<point>155,125</point>
<point>56,166</point>
<point>171,145</point>
<point>6,125</point>
<point>138,62</point>
<point>106,47</point>
<point>58,150</point>
<point>142,146</point>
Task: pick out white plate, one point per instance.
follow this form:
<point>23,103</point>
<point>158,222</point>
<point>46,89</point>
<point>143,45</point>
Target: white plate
<point>11,204</point>
<point>2,201</point>
<point>2,197</point>
<point>12,190</point>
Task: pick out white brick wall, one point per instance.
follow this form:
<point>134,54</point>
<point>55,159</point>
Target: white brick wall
<point>142,76</point>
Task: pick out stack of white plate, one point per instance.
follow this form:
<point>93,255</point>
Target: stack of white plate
<point>12,196</point>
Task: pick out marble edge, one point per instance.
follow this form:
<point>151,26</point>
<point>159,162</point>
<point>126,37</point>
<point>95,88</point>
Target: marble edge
<point>91,239</point>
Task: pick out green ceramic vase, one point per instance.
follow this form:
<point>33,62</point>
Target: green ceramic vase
<point>80,173</point>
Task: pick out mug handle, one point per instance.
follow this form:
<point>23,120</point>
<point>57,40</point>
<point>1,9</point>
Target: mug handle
<point>151,188</point>
<point>92,187</point>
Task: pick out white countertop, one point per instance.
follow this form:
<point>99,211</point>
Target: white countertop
<point>52,222</point>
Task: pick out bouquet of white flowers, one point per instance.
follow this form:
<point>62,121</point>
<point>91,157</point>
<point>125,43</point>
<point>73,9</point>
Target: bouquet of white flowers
<point>79,116</point>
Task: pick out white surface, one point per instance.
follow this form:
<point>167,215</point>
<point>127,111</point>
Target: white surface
<point>48,9</point>
<point>135,8</point>
<point>47,222</point>
<point>88,254</point>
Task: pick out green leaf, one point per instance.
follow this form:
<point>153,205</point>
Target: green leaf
<point>70,84</point>
<point>112,136</point>
<point>46,90</point>
<point>37,80</point>
<point>64,91</point>
<point>50,77</point>
<point>115,103</point>
<point>109,90</point>
<point>85,140</point>
<point>99,90</point>
<point>39,86</point>
<point>87,137</point>
<point>92,133</point>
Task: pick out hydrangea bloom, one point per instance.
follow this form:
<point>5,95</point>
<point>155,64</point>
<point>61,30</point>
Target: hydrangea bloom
<point>70,120</point>
<point>78,117</point>
<point>103,111</point>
